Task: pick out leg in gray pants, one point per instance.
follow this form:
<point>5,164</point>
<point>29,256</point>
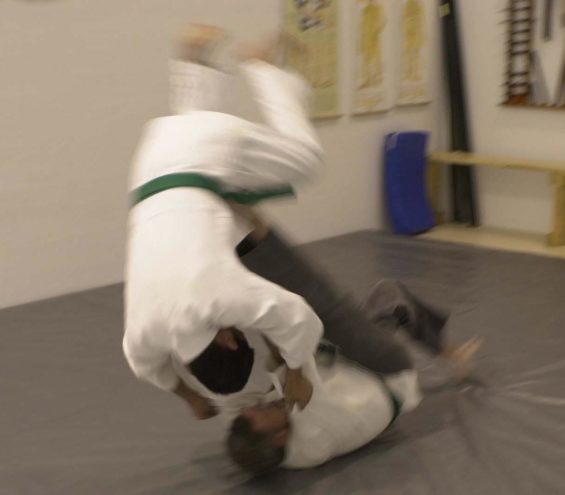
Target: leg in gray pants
<point>368,339</point>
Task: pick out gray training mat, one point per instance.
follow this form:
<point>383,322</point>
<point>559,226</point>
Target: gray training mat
<point>74,421</point>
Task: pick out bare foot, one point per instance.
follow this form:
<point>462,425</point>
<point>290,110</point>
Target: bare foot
<point>461,358</point>
<point>196,42</point>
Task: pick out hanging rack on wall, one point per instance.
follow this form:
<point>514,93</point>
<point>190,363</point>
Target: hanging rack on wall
<point>520,44</point>
<point>526,84</point>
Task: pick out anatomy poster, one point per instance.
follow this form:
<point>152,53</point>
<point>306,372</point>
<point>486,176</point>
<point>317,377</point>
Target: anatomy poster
<point>314,23</point>
<point>414,56</point>
<point>374,68</point>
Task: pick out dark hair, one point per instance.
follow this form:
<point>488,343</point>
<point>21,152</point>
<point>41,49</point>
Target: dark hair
<point>251,450</point>
<point>222,370</point>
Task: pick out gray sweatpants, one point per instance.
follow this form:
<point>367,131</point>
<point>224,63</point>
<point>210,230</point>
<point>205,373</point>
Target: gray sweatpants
<point>373,345</point>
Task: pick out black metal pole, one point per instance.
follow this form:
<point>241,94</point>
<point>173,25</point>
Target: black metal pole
<point>462,177</point>
<point>548,19</point>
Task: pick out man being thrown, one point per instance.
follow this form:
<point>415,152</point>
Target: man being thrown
<point>184,282</point>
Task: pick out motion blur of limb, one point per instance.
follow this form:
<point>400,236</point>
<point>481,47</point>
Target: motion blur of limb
<point>364,333</point>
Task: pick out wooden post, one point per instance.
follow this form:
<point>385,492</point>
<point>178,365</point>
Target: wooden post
<point>434,182</point>
<point>557,237</point>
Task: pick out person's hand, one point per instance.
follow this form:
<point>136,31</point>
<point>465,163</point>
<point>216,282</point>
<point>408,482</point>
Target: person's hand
<point>462,358</point>
<point>298,390</point>
<point>201,407</point>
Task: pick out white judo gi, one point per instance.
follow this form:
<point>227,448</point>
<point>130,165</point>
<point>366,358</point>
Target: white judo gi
<point>349,408</point>
<point>183,279</point>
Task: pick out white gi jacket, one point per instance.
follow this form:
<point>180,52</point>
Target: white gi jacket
<point>183,279</point>
<point>349,408</point>
<point>259,389</point>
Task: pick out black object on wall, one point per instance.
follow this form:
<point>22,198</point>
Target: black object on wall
<point>548,9</point>
<point>463,199</point>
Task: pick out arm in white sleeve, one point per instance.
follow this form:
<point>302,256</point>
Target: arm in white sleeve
<point>287,150</point>
<point>150,360</point>
<point>281,316</point>
<point>282,97</point>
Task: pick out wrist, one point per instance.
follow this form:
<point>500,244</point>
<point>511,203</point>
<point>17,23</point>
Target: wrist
<point>184,392</point>
<point>293,372</point>
<point>261,229</point>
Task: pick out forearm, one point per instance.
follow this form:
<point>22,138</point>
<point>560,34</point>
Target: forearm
<point>275,353</point>
<point>201,407</point>
<point>183,391</point>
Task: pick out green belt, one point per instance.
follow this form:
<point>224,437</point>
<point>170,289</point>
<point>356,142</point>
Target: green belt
<point>173,181</point>
<point>396,402</point>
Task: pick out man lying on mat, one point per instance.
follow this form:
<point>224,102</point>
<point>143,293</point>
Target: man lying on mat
<point>348,408</point>
<point>372,382</point>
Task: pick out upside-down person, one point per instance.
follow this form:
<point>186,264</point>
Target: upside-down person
<point>184,281</point>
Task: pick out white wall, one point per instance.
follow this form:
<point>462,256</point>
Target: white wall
<point>510,199</point>
<point>79,78</point>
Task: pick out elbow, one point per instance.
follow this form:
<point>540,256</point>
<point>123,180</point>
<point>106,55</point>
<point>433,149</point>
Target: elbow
<point>308,334</point>
<point>313,326</point>
<point>135,357</point>
<point>130,354</point>
<point>318,331</point>
<point>149,366</point>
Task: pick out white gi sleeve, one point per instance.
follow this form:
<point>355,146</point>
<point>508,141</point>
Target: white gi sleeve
<point>312,438</point>
<point>196,87</point>
<point>150,359</point>
<point>281,316</point>
<point>286,151</point>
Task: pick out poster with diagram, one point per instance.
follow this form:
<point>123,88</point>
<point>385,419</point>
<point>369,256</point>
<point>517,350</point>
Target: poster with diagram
<point>414,87</point>
<point>374,68</point>
<point>314,24</point>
